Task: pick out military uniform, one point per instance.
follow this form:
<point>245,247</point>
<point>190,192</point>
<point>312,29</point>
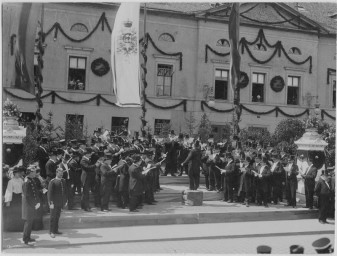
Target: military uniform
<point>108,180</point>
<point>42,156</point>
<point>135,186</point>
<point>88,181</point>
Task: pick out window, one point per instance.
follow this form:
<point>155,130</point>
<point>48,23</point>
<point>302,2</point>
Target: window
<point>258,87</point>
<point>260,47</point>
<point>166,37</point>
<point>26,118</point>
<point>74,127</point>
<point>79,27</point>
<point>221,84</point>
<point>164,80</point>
<point>334,93</point>
<point>160,125</point>
<point>222,42</point>
<point>76,76</point>
<point>295,51</point>
<point>119,124</point>
<point>293,90</point>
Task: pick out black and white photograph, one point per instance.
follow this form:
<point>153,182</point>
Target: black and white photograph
<point>168,128</point>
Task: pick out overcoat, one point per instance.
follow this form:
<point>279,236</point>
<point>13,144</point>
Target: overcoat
<point>30,198</point>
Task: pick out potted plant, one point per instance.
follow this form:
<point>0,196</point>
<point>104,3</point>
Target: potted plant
<point>11,114</point>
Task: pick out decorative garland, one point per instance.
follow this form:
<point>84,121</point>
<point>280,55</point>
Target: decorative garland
<point>242,107</point>
<point>100,67</point>
<point>183,102</point>
<point>180,54</point>
<point>262,38</point>
<point>244,80</point>
<point>57,27</point>
<point>98,99</point>
<point>274,83</point>
<point>323,112</point>
<point>329,73</point>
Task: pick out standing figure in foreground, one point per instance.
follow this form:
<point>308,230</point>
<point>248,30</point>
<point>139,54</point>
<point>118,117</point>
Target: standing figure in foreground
<point>194,163</point>
<point>30,203</point>
<point>324,193</point>
<point>57,198</point>
<point>291,182</point>
<point>309,177</point>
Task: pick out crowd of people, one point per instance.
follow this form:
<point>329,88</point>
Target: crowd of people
<point>129,169</point>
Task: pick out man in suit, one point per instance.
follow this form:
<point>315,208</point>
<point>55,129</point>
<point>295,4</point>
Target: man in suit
<point>30,203</point>
<point>57,198</point>
<point>123,181</point>
<point>69,179</point>
<point>309,177</point>
<point>262,179</point>
<point>51,165</point>
<point>42,156</point>
<point>291,181</point>
<point>135,183</point>
<point>230,175</point>
<point>107,180</point>
<point>323,190</point>
<point>87,178</point>
<point>277,177</point>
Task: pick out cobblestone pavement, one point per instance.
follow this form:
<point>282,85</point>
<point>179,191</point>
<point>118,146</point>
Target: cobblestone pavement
<point>220,238</point>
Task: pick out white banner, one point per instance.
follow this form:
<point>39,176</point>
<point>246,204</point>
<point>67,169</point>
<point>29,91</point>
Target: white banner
<point>125,55</point>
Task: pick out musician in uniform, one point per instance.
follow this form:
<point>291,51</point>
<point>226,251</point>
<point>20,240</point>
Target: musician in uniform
<point>30,203</point>
<point>135,183</point>
<point>87,178</point>
<point>262,179</point>
<point>69,179</point>
<point>277,178</point>
<point>57,199</point>
<point>309,177</point>
<point>75,172</point>
<point>51,165</point>
<point>291,181</point>
<point>123,181</point>
<point>82,146</point>
<point>323,190</point>
<point>230,174</point>
<point>107,180</point>
<point>247,180</point>
<point>42,156</point>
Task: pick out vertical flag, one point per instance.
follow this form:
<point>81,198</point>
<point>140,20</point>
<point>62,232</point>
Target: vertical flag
<point>125,55</point>
<point>29,15</point>
<point>234,35</point>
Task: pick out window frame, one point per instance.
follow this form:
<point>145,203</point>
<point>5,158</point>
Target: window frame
<point>121,117</point>
<point>78,23</point>
<point>215,79</point>
<point>165,62</point>
<point>75,55</point>
<point>166,34</point>
<point>75,116</point>
<point>229,91</point>
<point>154,125</point>
<point>293,50</point>
<point>265,74</point>
<point>299,89</point>
<point>222,44</point>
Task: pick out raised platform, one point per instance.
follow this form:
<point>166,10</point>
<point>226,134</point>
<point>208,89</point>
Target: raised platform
<point>170,210</point>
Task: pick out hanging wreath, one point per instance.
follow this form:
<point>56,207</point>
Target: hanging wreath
<point>244,80</point>
<point>100,67</point>
<point>277,83</point>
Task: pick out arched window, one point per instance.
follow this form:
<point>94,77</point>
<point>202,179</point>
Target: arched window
<point>294,50</point>
<point>260,47</point>
<point>222,42</point>
<point>166,37</point>
<point>79,27</point>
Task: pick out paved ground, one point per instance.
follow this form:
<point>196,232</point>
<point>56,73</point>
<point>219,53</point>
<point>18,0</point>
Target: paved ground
<point>220,238</point>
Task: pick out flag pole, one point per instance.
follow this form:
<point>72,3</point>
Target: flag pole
<point>38,77</point>
<point>234,37</point>
<point>143,52</point>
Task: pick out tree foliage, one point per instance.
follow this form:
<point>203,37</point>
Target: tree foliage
<point>204,128</point>
<point>191,124</point>
<point>289,130</point>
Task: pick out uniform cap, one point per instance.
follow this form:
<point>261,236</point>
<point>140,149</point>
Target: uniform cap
<point>296,249</point>
<point>263,249</point>
<point>322,245</point>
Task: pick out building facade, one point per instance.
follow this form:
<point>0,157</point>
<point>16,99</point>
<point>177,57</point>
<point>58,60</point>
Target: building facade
<point>288,60</point>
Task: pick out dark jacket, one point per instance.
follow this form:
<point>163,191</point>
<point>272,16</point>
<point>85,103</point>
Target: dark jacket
<point>42,157</point>
<point>322,188</point>
<point>247,180</point>
<point>310,176</point>
<point>51,170</point>
<point>136,180</point>
<point>30,198</point>
<point>57,192</point>
<point>194,161</point>
<point>124,176</point>
<point>292,175</point>
<point>88,170</point>
<point>278,175</point>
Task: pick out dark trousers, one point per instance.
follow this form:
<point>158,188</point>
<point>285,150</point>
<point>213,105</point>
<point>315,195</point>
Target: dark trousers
<point>70,195</point>
<point>215,176</point>
<point>309,188</point>
<point>194,179</point>
<point>230,186</point>
<point>106,192</point>
<point>122,199</point>
<point>277,191</point>
<point>88,184</point>
<point>77,182</point>
<point>27,229</point>
<point>262,193</point>
<point>324,204</point>
<point>133,202</point>
<point>54,219</point>
<point>291,188</point>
